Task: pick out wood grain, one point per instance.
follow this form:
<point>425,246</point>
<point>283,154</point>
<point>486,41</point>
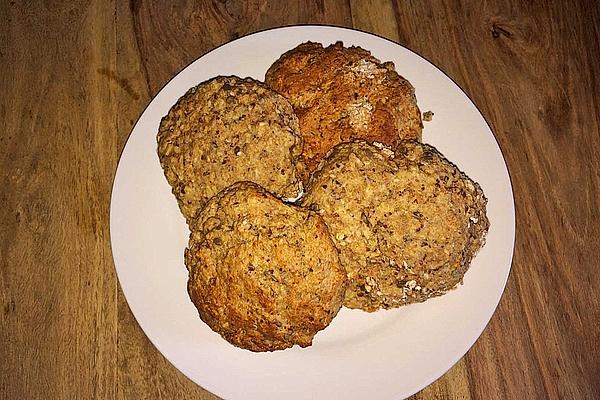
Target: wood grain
<point>75,76</point>
<point>58,149</point>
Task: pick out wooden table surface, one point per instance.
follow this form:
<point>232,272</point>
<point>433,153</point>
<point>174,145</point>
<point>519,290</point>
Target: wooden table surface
<point>74,77</point>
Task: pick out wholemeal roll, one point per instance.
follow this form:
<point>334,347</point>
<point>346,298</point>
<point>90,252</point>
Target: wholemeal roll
<point>344,93</point>
<point>226,130</point>
<point>262,273</point>
<point>406,223</point>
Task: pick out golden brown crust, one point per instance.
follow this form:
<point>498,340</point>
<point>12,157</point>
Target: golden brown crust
<point>226,130</point>
<point>341,94</point>
<point>412,231</point>
<point>262,273</point>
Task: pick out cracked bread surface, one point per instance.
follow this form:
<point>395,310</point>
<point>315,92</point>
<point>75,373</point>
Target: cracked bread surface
<point>344,93</point>
<point>263,274</point>
<point>406,223</point>
<point>225,130</point>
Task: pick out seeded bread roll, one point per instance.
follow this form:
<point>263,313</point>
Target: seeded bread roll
<point>262,273</point>
<point>226,130</point>
<point>341,94</point>
<point>406,223</point>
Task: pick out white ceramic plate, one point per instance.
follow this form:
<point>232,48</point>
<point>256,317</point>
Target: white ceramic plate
<point>388,354</point>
